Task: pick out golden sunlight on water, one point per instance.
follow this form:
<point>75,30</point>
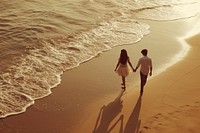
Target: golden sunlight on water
<point>195,27</point>
<point>40,39</point>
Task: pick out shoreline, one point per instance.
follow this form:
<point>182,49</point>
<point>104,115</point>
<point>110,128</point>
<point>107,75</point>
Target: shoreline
<point>146,116</point>
<point>69,104</point>
<point>130,98</point>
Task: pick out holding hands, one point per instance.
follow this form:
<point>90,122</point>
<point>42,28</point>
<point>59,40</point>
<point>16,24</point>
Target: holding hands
<point>150,73</point>
<point>134,70</point>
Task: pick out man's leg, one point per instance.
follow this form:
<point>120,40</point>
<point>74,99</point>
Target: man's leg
<point>143,79</point>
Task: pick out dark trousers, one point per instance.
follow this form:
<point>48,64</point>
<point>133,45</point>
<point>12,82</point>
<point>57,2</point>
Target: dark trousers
<point>143,79</point>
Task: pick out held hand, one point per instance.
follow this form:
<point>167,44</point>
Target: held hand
<point>150,73</point>
<point>134,70</point>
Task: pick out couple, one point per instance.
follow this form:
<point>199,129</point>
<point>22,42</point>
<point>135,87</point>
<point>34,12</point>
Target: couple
<point>144,63</point>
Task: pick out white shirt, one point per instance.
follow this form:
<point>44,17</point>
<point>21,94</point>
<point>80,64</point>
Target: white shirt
<point>145,63</point>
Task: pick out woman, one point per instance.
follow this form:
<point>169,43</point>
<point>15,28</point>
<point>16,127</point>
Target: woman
<point>122,66</point>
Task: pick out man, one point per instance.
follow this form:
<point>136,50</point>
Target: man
<point>145,65</point>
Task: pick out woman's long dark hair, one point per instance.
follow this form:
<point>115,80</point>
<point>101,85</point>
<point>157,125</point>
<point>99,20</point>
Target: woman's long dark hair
<point>123,57</point>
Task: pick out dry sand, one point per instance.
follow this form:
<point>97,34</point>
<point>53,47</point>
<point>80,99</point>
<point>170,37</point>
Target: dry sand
<point>170,103</point>
<point>90,99</point>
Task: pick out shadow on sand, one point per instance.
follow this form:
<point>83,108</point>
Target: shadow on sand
<point>108,113</point>
<point>133,123</point>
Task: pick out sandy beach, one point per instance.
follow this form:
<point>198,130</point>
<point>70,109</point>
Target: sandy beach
<point>89,98</point>
<point>170,103</point>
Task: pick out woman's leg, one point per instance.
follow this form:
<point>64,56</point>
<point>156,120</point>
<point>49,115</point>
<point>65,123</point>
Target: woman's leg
<point>123,82</point>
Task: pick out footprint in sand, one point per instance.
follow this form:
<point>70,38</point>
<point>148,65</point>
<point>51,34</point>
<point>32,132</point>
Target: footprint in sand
<point>197,104</point>
<point>158,116</point>
<point>161,120</point>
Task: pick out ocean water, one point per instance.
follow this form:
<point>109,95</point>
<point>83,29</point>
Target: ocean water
<point>40,39</point>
